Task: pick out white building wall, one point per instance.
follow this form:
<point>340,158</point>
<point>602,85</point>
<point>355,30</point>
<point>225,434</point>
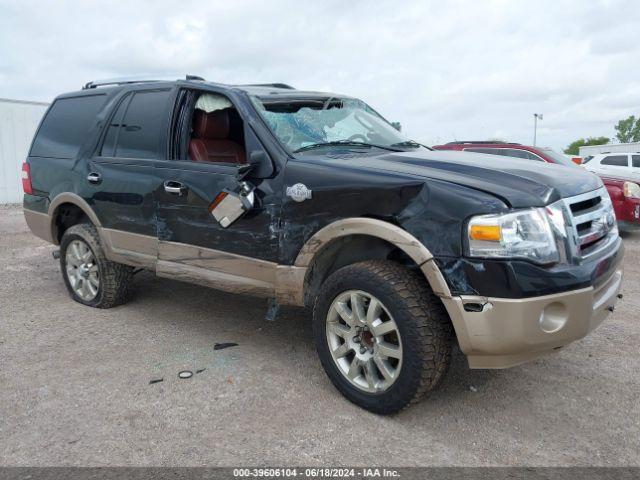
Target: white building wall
<point>18,122</point>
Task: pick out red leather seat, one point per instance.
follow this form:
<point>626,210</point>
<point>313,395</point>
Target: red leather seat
<point>210,142</point>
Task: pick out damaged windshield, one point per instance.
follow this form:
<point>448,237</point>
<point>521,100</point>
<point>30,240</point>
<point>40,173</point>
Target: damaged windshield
<point>304,124</point>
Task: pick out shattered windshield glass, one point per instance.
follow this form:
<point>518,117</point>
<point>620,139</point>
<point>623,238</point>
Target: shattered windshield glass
<point>305,124</point>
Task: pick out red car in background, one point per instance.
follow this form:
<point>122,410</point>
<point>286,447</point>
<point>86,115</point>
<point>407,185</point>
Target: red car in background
<point>621,191</point>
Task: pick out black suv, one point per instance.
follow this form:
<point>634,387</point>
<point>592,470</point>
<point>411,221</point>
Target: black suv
<point>314,199</point>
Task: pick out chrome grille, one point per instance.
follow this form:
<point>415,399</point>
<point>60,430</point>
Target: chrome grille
<point>591,222</point>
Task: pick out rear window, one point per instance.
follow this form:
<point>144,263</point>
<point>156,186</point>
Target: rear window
<point>66,125</point>
<point>616,161</point>
<point>636,161</point>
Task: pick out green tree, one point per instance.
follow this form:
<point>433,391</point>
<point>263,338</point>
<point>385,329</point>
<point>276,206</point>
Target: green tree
<point>628,130</point>
<point>574,147</point>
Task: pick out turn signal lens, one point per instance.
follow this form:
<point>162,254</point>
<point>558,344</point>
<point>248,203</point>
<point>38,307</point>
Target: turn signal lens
<point>489,233</point>
<point>221,196</point>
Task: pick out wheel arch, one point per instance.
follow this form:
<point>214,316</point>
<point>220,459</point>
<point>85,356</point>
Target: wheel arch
<point>325,251</point>
<point>69,202</point>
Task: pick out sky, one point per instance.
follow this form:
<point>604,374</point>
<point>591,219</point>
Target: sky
<point>446,70</point>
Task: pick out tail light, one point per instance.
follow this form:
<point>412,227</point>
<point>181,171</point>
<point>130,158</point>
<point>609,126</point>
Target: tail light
<point>26,179</point>
<point>631,190</point>
<point>577,160</point>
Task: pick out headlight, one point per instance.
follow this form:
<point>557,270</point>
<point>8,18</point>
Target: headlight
<point>526,234</point>
<point>631,190</point>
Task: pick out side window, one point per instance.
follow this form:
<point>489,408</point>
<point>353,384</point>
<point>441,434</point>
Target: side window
<point>215,131</point>
<point>636,161</point>
<point>66,125</point>
<point>616,160</point>
<point>136,127</point>
<point>514,152</point>
<point>489,151</point>
<point>502,151</point>
<point>111,137</point>
<point>530,156</point>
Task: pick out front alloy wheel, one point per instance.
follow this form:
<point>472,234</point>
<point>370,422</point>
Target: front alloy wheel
<point>383,337</point>
<point>364,341</point>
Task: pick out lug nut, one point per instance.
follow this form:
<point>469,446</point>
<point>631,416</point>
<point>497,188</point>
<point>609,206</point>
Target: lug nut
<point>356,339</point>
<point>362,349</point>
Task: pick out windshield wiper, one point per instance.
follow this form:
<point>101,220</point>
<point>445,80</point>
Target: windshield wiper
<point>351,143</point>
<point>410,143</point>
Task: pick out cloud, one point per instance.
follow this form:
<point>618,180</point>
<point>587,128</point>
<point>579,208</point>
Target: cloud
<point>445,70</point>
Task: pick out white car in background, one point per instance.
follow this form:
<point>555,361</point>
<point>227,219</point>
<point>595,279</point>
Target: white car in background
<point>619,165</point>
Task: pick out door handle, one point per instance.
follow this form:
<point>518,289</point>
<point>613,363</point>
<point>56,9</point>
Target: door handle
<point>94,177</point>
<point>175,188</point>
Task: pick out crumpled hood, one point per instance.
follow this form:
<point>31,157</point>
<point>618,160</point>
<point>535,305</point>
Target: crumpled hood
<point>517,182</point>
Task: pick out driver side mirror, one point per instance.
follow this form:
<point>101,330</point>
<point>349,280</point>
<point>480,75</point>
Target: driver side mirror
<point>397,126</point>
<point>258,166</point>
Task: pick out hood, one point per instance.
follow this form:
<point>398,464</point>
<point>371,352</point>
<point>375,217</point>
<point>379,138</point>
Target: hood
<point>519,183</point>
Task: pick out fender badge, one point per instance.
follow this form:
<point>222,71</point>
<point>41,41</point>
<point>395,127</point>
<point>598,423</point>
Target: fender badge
<point>299,192</point>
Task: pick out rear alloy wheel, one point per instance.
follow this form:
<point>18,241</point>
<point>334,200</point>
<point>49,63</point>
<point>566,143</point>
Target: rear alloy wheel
<point>82,270</point>
<point>90,277</point>
<point>383,337</point>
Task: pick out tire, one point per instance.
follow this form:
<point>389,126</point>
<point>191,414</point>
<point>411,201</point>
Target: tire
<point>423,335</point>
<point>97,282</point>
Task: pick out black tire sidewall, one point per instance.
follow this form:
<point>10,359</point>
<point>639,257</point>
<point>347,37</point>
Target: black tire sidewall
<point>405,387</point>
<point>67,238</point>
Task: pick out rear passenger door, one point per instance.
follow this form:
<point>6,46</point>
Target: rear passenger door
<point>122,173</point>
<point>635,167</point>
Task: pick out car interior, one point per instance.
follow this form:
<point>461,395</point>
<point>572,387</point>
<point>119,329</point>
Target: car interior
<point>214,132</point>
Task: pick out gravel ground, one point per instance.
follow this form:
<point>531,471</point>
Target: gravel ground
<point>74,385</point>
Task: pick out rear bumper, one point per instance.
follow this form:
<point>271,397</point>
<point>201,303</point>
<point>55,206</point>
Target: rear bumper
<point>40,224</point>
<point>628,212</point>
<point>507,332</point>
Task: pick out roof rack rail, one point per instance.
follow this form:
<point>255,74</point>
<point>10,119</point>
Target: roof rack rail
<point>130,80</point>
<point>274,85</point>
<point>463,142</point>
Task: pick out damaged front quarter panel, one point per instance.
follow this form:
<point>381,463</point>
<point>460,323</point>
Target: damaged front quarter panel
<point>436,216</point>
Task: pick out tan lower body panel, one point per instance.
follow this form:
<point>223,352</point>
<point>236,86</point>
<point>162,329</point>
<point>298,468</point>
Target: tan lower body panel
<point>216,279</point>
<point>221,270</point>
<point>129,248</point>
<point>224,271</point>
<point>508,332</point>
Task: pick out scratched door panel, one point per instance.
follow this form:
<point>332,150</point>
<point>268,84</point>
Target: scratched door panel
<point>186,218</point>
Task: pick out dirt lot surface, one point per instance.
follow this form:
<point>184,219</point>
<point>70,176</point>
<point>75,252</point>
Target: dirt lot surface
<point>75,385</point>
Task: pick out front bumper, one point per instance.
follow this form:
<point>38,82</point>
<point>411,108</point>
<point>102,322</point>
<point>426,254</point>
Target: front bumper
<point>505,332</point>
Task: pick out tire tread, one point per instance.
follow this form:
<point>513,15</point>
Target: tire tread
<point>430,323</point>
<point>115,278</point>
